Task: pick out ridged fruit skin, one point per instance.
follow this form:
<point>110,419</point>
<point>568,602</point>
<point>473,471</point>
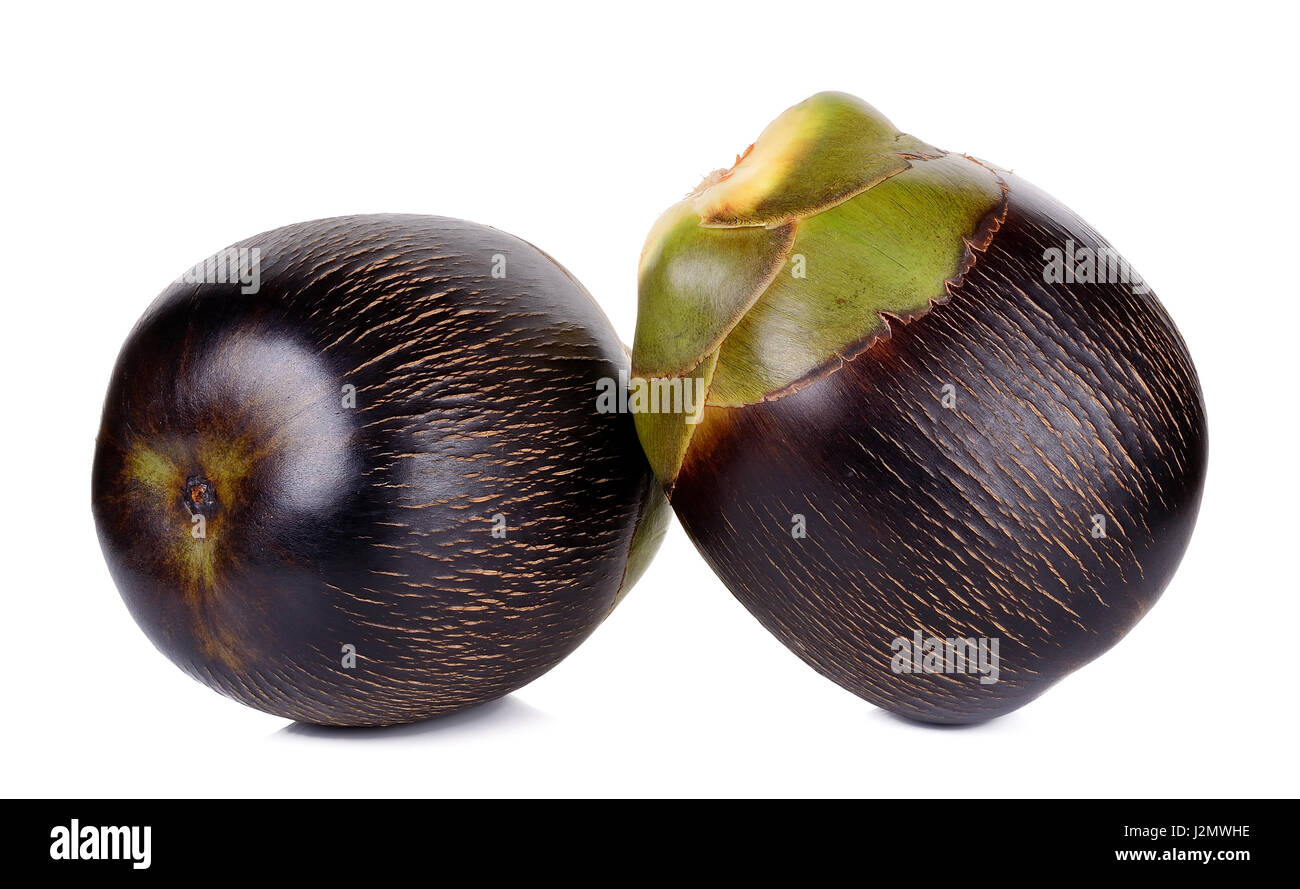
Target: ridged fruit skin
<point>968,519</point>
<point>371,525</point>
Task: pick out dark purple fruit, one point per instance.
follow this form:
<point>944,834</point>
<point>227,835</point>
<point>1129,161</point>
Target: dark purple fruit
<point>365,482</point>
<point>948,446</point>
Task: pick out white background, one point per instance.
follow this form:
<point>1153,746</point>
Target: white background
<point>137,141</point>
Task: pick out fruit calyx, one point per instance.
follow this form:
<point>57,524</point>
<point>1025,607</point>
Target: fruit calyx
<point>772,274</point>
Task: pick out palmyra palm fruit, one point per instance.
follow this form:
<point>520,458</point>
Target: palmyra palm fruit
<point>366,483</point>
<point>950,447</point>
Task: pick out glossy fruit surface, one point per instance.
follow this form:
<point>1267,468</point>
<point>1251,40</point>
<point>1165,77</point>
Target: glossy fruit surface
<point>942,413</point>
<point>365,483</point>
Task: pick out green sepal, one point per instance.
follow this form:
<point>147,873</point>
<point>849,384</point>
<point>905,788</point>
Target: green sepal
<point>695,283</point>
<point>647,537</point>
<point>665,435</point>
<point>818,153</point>
<point>891,250</point>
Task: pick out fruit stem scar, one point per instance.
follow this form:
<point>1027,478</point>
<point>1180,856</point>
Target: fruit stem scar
<point>199,496</point>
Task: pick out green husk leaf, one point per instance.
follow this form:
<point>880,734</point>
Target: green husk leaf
<point>665,436</point>
<point>889,250</point>
<point>695,283</point>
<point>818,153</point>
<point>647,537</point>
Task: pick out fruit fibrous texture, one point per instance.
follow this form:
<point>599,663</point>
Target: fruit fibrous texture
<point>367,484</point>
<point>952,447</point>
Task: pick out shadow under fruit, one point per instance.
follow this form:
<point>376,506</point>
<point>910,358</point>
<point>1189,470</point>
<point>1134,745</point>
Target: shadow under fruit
<point>376,489</point>
<point>927,416</point>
